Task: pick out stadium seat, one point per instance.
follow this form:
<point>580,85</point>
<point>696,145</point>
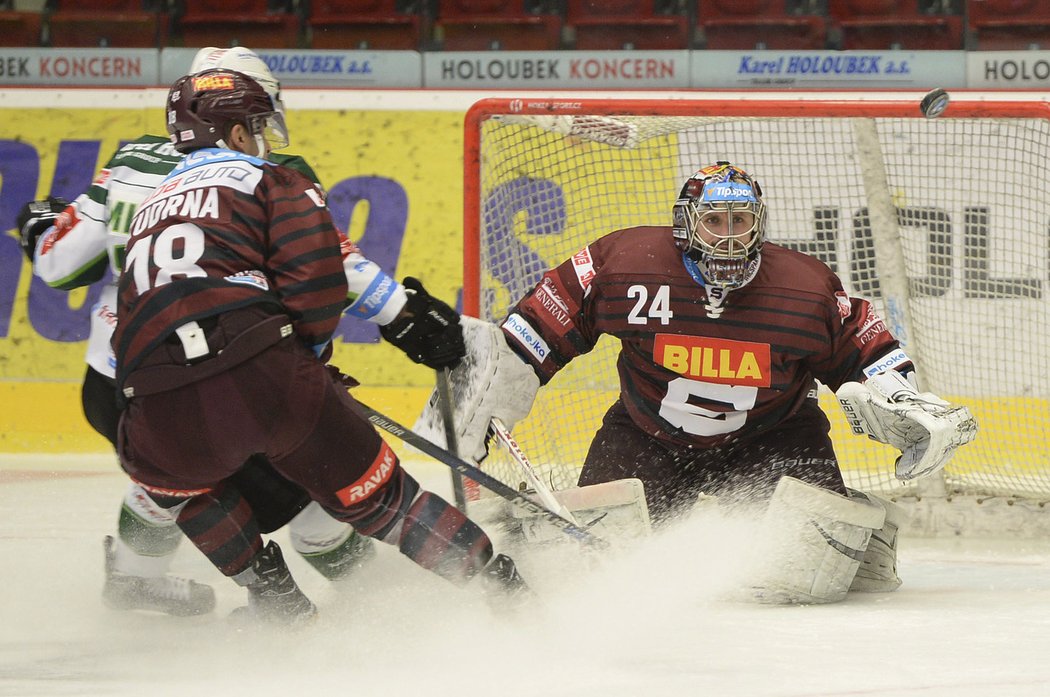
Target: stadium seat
<point>874,25</point>
<point>1005,25</point>
<point>616,24</point>
<point>759,24</point>
<point>254,23</point>
<point>481,25</point>
<point>123,23</point>
<point>19,28</point>
<point>375,24</point>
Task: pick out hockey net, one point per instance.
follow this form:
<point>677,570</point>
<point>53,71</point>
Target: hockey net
<point>943,223</point>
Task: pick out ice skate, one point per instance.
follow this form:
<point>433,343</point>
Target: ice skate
<point>505,589</point>
<point>168,594</point>
<point>273,596</point>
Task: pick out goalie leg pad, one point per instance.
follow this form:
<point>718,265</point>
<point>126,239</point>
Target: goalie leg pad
<point>878,568</point>
<point>812,541</point>
<point>490,382</point>
<point>614,511</point>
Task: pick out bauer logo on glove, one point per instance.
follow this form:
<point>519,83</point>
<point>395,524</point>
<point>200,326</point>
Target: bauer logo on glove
<point>925,428</point>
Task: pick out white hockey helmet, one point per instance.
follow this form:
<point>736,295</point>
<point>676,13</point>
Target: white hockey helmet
<point>244,61</point>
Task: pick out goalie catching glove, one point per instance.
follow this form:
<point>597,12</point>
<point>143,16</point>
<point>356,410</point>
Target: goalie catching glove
<point>925,428</point>
<point>427,329</point>
<point>490,382</point>
<point>34,219</point>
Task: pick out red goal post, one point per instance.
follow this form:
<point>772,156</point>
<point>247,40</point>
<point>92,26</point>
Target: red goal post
<point>943,223</point>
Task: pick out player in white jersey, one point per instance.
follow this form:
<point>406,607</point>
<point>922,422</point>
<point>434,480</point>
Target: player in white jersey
<point>73,245</point>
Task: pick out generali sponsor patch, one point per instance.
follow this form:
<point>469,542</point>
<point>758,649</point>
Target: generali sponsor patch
<point>377,475</point>
<point>722,361</point>
<point>552,304</point>
<point>872,328</point>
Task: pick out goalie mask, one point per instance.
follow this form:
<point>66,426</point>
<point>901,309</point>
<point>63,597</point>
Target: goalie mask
<point>203,108</point>
<point>719,220</point>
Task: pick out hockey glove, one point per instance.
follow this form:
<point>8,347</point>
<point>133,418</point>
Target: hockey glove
<point>34,219</point>
<point>490,382</point>
<point>427,329</point>
<point>925,428</point>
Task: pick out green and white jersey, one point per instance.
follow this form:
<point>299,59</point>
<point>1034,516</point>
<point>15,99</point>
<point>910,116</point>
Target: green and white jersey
<point>92,232</point>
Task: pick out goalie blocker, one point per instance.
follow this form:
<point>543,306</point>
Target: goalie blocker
<point>493,384</point>
<point>925,428</point>
<point>490,382</point>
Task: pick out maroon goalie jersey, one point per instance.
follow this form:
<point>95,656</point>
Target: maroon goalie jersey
<point>224,231</point>
<point>692,369</point>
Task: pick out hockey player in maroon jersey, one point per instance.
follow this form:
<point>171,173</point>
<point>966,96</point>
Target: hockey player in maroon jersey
<point>232,286</point>
<point>723,339</point>
<point>76,241</point>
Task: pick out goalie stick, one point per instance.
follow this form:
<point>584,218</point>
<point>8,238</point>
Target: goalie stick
<point>466,469</point>
<point>444,389</point>
<point>542,490</point>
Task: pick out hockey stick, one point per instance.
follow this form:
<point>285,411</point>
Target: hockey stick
<point>444,389</point>
<point>541,489</point>
<point>489,482</point>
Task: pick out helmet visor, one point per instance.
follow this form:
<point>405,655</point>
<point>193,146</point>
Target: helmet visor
<point>271,127</point>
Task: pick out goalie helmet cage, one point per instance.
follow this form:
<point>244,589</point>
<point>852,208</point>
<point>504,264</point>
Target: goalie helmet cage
<point>942,223</point>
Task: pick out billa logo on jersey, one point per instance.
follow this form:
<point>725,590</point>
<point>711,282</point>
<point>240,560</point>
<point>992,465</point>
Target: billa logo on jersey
<point>213,82</point>
<point>723,361</point>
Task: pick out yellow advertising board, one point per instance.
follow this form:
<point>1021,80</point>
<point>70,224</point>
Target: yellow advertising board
<point>395,183</point>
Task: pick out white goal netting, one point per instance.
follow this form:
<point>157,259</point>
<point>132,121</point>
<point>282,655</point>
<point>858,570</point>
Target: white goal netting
<point>948,219</point>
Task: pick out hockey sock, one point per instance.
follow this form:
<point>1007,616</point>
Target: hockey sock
<point>329,545</point>
<point>440,538</point>
<point>222,526</point>
<point>426,529</point>
<point>342,560</point>
<point>146,536</point>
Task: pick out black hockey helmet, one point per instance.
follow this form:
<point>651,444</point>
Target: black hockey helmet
<point>202,108</point>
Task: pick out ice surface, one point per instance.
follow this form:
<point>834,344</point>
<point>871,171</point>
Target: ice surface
<point>972,619</point>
